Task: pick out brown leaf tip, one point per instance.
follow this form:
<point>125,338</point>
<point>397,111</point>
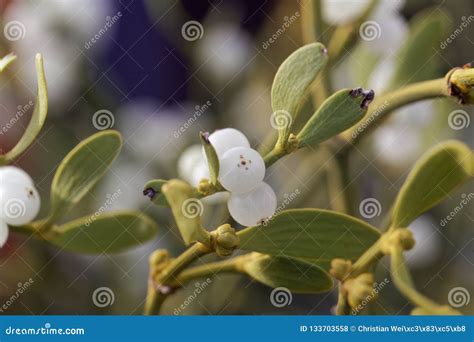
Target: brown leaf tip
<point>149,192</point>
<point>368,96</point>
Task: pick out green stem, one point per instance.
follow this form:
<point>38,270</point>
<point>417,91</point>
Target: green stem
<point>368,259</point>
<point>404,284</point>
<point>274,155</point>
<point>210,269</point>
<point>156,296</point>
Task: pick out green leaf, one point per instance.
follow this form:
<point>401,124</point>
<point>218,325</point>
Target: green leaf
<point>6,60</point>
<point>339,112</point>
<point>314,234</point>
<point>187,210</point>
<point>434,176</point>
<point>296,275</point>
<point>211,156</point>
<point>152,189</point>
<point>417,60</point>
<point>110,232</point>
<point>292,81</point>
<point>38,117</point>
<point>82,168</point>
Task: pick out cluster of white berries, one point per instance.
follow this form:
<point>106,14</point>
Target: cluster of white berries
<point>241,172</point>
<point>19,199</point>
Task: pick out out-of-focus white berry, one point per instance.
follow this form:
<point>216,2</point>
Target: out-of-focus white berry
<point>254,207</point>
<point>241,169</point>
<point>428,246</point>
<point>191,158</point>
<point>224,139</point>
<point>3,233</point>
<point>19,203</point>
<point>13,174</point>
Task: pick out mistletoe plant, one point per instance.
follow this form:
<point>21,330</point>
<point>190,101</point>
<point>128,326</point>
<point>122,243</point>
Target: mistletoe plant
<point>75,176</point>
<point>305,249</point>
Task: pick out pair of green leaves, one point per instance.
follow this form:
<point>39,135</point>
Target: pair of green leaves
<point>292,81</point>
<point>77,174</point>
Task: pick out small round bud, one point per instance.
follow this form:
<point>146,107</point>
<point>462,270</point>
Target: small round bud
<point>225,240</point>
<point>254,207</point>
<point>241,170</point>
<point>340,268</point>
<point>19,203</point>
<point>359,288</point>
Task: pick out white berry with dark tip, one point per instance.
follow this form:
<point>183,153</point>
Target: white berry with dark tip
<point>241,169</point>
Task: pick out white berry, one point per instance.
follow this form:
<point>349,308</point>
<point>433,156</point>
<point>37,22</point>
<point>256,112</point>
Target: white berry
<point>13,174</point>
<point>3,233</point>
<point>241,169</point>
<point>254,207</point>
<point>192,165</point>
<point>19,203</point>
<point>224,139</point>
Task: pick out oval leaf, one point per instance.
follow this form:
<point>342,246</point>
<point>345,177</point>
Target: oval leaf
<point>291,83</point>
<point>187,210</point>
<point>38,117</point>
<point>315,234</point>
<point>296,275</point>
<point>82,168</point>
<point>433,177</point>
<point>339,112</point>
<point>111,232</point>
<point>416,60</point>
